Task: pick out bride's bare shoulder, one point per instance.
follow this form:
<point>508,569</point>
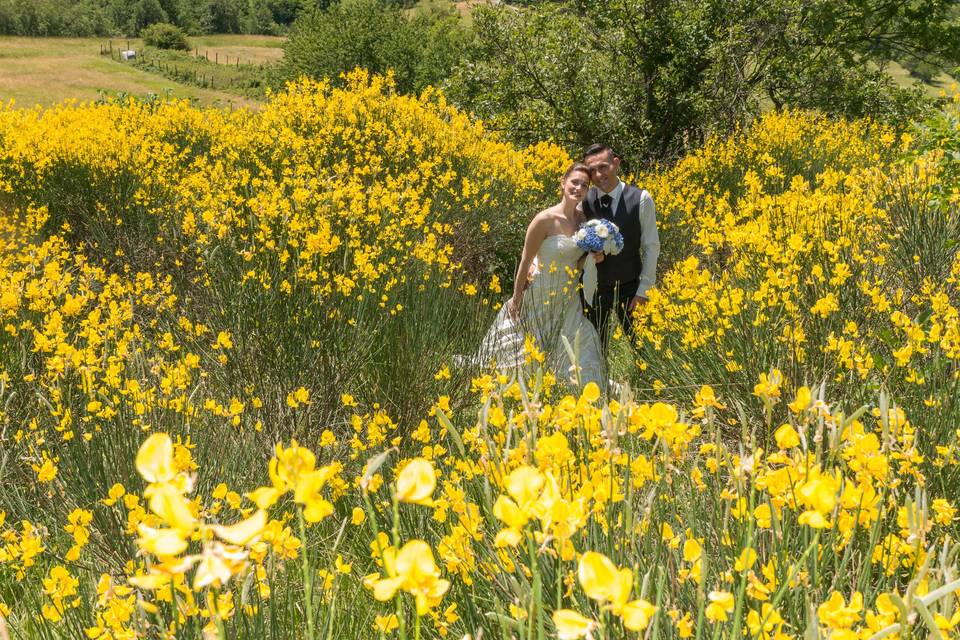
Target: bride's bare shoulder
<point>545,216</point>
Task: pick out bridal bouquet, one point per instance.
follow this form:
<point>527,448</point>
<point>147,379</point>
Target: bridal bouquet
<point>599,235</point>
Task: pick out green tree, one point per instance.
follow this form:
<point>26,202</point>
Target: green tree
<point>421,46</point>
<point>350,34</point>
<point>258,18</point>
<point>284,12</point>
<point>143,13</point>
<point>442,37</point>
<point>654,78</point>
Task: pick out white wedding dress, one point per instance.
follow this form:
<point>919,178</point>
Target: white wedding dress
<point>550,311</point>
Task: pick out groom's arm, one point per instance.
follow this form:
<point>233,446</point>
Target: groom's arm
<point>649,244</point>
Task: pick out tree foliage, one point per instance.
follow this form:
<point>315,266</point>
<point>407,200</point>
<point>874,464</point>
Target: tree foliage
<point>129,17</point>
<point>421,46</point>
<point>655,78</point>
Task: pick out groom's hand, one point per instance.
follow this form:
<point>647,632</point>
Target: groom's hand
<point>598,256</point>
<point>635,303</point>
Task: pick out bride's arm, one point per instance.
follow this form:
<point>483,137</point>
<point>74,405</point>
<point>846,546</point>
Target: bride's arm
<point>531,245</point>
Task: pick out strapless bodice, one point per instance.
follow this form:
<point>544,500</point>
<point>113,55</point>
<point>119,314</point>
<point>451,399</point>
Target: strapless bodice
<point>559,249</point>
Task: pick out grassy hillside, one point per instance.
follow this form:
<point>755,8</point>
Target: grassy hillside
<point>46,71</point>
<point>903,77</point>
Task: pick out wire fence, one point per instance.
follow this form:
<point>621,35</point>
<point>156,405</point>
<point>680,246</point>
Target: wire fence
<point>184,73</point>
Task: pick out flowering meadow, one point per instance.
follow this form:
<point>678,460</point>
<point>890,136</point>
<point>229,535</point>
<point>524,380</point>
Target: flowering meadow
<point>227,408</point>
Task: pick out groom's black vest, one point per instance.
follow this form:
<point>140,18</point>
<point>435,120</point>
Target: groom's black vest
<point>625,266</point>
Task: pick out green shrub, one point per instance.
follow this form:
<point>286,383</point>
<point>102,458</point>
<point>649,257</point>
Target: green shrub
<point>165,36</point>
<point>421,47</point>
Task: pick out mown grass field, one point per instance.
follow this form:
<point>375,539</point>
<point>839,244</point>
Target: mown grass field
<point>47,71</point>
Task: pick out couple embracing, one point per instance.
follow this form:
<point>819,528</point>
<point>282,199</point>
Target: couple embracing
<point>547,302</point>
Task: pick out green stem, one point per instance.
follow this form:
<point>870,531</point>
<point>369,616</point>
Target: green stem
<point>173,606</point>
<point>221,631</point>
<point>743,575</point>
<point>782,589</point>
<point>307,577</point>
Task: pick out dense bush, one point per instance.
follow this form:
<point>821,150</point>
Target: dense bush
<point>182,292</point>
<point>163,35</point>
<point>420,47</point>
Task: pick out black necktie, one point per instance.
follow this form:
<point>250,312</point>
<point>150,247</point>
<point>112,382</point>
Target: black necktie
<point>605,201</point>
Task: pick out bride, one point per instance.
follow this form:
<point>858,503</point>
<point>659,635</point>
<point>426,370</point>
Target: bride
<point>548,308</point>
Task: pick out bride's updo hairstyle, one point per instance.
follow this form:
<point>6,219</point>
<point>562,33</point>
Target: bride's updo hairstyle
<point>576,166</point>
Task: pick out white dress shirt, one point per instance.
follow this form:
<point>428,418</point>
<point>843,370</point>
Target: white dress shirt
<point>649,238</point>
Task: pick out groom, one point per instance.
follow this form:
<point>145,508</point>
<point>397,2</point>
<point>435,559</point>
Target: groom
<point>623,279</point>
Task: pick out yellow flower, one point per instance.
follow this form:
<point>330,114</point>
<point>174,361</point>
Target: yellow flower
<point>161,542</point>
<point>167,502</point>
<point>524,486</point>
<point>416,482</point>
<point>601,580</point>
<point>763,515</point>
<point>636,614</point>
<point>819,493</point>
<point>307,493</point>
<point>571,625</point>
<point>47,471</point>
<point>289,468</point>
<point>289,464</point>
<point>116,492</point>
<point>60,584</point>
<point>802,402</point>
<point>768,388</point>
<point>413,570</point>
<point>386,624</point>
<point>764,623</point>
<point>836,614</point>
<point>721,603</point>
<point>357,516</point>
<point>341,566</point>
<point>746,560</point>
<point>786,437</point>
<point>591,393</point>
<point>691,550</point>
<point>245,531</point>
<point>155,459</point>
<point>298,397</point>
<point>217,564</point>
<point>944,511</point>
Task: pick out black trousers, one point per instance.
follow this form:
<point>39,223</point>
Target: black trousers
<point>609,301</point>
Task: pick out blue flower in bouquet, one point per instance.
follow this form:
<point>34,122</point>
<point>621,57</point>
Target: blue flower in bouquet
<point>599,235</point>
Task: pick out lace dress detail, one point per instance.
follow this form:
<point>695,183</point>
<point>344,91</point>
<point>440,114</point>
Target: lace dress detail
<point>551,310</point>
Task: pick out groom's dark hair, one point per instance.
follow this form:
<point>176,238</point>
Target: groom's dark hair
<point>600,147</point>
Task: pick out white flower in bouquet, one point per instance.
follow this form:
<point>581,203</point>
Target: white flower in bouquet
<point>599,235</point>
